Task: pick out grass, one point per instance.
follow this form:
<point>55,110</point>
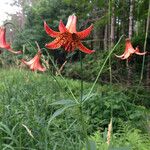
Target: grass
<point>26,108</point>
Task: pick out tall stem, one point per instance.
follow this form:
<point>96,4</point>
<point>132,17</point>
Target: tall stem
<point>82,120</point>
<point>81,90</point>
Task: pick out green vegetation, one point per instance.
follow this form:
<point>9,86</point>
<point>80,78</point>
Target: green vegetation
<point>70,105</point>
<point>28,101</point>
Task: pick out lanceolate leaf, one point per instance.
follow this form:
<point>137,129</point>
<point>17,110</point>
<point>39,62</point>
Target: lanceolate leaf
<point>58,112</point>
<point>64,102</point>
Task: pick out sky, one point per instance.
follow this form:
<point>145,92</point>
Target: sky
<point>5,8</point>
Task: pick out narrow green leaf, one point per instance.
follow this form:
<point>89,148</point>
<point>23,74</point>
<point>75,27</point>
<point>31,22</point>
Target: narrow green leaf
<point>56,113</point>
<point>63,102</point>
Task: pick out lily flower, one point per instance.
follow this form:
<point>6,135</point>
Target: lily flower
<point>4,44</point>
<point>34,64</point>
<point>68,37</point>
<point>129,50</point>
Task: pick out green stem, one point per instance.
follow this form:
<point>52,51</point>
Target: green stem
<point>82,120</point>
<point>143,62</point>
<point>101,69</point>
<point>64,80</point>
<point>20,33</point>
<point>81,90</point>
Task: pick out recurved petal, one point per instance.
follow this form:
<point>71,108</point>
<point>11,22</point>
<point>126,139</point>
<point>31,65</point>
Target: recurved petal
<point>25,62</point>
<point>62,27</point>
<point>54,44</point>
<point>40,67</point>
<point>49,31</point>
<point>119,56</point>
<point>84,49</point>
<point>126,55</point>
<point>85,33</point>
<point>31,61</point>
<point>139,53</point>
<point>14,52</point>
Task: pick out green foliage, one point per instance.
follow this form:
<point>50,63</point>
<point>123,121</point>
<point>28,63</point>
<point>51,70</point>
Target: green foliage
<point>38,111</point>
<point>124,139</point>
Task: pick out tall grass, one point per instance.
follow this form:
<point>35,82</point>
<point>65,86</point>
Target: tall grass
<point>28,100</point>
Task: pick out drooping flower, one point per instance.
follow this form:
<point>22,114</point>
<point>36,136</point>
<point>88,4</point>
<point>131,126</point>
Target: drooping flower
<point>4,44</point>
<point>68,37</point>
<point>35,64</point>
<point>129,50</point>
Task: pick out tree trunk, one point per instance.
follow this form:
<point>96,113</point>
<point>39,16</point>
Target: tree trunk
<point>129,72</point>
<point>145,43</point>
<point>148,73</point>
<point>131,19</point>
<point>106,37</point>
<point>112,34</point>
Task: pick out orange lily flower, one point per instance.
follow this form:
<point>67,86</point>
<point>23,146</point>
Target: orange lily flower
<point>34,64</point>
<point>68,37</point>
<point>4,44</point>
<point>129,50</point>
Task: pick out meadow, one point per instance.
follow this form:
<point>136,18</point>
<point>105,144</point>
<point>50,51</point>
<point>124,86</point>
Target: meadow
<point>37,112</point>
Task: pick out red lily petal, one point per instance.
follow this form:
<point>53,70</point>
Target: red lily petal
<point>49,31</point>
<point>119,56</point>
<point>62,27</point>
<point>41,68</point>
<point>71,24</point>
<point>137,51</point>
<point>68,46</point>
<point>129,46</point>
<point>34,63</point>
<point>85,33</point>
<point>37,66</point>
<point>3,43</point>
<point>126,55</point>
<point>29,62</point>
<point>54,44</point>
<point>37,56</point>
<point>84,49</point>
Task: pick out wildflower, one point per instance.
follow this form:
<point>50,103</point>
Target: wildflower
<point>34,64</point>
<point>129,50</point>
<point>68,37</point>
<point>4,44</point>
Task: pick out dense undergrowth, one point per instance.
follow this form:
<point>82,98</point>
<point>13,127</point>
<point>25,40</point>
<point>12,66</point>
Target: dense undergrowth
<point>26,100</point>
<point>92,63</point>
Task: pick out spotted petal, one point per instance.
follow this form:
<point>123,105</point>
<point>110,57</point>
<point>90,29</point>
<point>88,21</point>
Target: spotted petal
<point>84,49</point>
<point>85,33</point>
<point>49,31</point>
<point>54,44</point>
